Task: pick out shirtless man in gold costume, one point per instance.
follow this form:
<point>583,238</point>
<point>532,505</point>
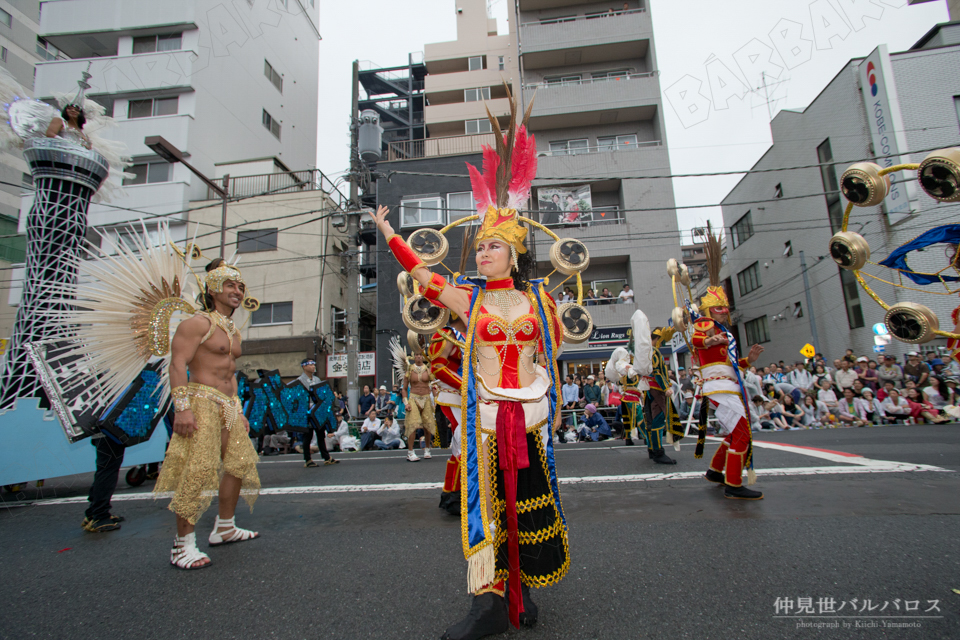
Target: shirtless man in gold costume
<point>419,406</point>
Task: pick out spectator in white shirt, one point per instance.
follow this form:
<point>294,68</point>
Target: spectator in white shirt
<point>800,378</point>
<point>389,434</point>
<point>343,437</point>
<point>869,407</point>
<point>896,407</point>
<point>369,431</point>
<point>845,376</point>
<point>826,395</point>
<point>626,295</point>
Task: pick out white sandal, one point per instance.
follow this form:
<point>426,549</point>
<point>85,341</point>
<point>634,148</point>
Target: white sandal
<point>185,553</point>
<point>233,534</point>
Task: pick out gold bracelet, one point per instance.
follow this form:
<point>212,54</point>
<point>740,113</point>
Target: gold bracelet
<point>181,400</point>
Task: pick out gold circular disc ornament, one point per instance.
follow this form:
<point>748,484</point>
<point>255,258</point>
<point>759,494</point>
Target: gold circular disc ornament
<point>424,317</point>
<point>576,322</point>
<point>430,245</point>
<point>684,275</point>
<point>250,304</point>
<point>911,322</point>
<point>939,175</point>
<point>863,185</point>
<point>849,250</point>
<point>569,256</point>
<point>673,267</point>
<point>679,317</point>
<point>406,284</point>
<point>413,341</point>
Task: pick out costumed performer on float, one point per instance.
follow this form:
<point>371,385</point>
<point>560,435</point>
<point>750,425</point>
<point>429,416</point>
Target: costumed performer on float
<point>514,533</point>
<point>210,452</point>
<point>720,365</point>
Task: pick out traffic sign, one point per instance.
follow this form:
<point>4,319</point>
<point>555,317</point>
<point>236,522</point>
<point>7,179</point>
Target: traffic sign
<point>808,351</point>
<point>879,348</point>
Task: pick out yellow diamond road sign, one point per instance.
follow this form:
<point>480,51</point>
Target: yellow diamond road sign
<point>808,351</point>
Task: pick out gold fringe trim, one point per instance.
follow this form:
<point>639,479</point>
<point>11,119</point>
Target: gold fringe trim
<point>751,477</point>
<point>480,569</point>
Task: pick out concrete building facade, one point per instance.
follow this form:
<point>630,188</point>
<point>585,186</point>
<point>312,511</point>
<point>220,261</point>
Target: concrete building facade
<point>765,242</point>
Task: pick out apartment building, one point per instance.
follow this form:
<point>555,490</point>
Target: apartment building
<point>766,243</point>
<point>953,7</point>
<point>223,82</point>
<point>20,50</point>
<point>591,69</point>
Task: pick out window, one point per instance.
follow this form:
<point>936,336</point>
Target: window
<point>778,191</point>
<point>26,180</point>
<point>687,253</point>
<point>152,107</point>
<point>13,247</point>
<point>151,44</point>
<point>956,103</point>
<point>749,279</point>
<point>149,173</point>
<point>600,76</point>
<point>5,18</point>
<point>571,147</point>
<point>742,230</point>
<point>475,64</point>
<point>797,310</point>
<point>254,240</point>
<point>272,125</point>
<point>478,126</point>
<point>607,215</point>
<point>46,50</point>
<point>461,205</point>
<point>272,313</point>
<point>616,143</point>
<point>757,331</point>
<point>273,76</point>
<point>831,188</point>
<point>562,80</point>
<point>3,54</point>
<point>421,212</point>
<point>851,297</point>
<point>126,234</point>
<point>475,95</point>
<point>500,64</point>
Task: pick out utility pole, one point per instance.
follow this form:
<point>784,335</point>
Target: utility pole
<point>351,256</point>
<point>806,289</point>
<point>223,217</point>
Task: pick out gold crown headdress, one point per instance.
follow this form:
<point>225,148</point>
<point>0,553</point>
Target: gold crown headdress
<point>504,184</point>
<point>215,279</point>
<point>715,296</point>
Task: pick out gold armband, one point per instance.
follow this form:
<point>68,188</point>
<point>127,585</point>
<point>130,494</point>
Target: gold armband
<point>181,401</point>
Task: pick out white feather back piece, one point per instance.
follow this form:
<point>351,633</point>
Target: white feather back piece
<point>107,314</point>
<point>642,344</point>
<point>615,365</point>
<point>399,355</point>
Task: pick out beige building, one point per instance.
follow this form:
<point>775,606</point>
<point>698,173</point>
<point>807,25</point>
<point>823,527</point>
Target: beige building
<point>289,248</point>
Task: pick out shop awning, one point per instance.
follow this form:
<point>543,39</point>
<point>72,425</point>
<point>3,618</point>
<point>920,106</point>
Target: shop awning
<point>594,354</point>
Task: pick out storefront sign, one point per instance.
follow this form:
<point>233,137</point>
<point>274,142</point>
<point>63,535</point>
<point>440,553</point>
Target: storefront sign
<point>366,364</point>
<point>609,337</point>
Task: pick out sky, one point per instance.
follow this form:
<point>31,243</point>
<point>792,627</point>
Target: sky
<point>705,53</point>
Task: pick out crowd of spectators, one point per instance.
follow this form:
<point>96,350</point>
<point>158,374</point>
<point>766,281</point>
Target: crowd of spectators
<point>854,392</point>
<point>604,296</point>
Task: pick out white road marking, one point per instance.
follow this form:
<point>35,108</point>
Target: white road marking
<point>865,465</point>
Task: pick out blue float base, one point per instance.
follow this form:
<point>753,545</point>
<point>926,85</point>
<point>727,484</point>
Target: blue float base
<point>36,448</point>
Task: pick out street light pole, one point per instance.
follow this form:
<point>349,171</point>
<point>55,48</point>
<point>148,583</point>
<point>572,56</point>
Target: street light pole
<point>806,289</point>
<point>171,154</point>
<point>350,257</point>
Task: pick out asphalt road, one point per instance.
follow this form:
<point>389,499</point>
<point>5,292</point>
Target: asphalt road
<point>653,556</point>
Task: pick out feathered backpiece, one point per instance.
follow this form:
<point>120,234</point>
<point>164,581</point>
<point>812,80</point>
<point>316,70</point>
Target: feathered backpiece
<point>504,183</point>
<point>715,296</point>
<point>399,356</point>
<point>121,312</point>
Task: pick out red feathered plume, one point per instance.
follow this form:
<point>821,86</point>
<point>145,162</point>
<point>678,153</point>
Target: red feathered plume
<point>523,167</point>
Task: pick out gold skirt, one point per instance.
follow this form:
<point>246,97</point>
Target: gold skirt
<point>420,415</point>
<point>194,465</point>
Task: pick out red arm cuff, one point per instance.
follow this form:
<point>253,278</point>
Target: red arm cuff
<point>404,254</point>
<point>444,374</point>
<point>744,363</point>
<point>435,288</point>
<point>698,339</point>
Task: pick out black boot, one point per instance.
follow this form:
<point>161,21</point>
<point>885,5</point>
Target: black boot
<point>650,453</point>
<point>628,442</point>
<point>661,458</point>
<point>488,615</point>
<point>714,476</point>
<point>444,500</point>
<point>742,493</point>
<point>450,502</point>
<point>528,617</point>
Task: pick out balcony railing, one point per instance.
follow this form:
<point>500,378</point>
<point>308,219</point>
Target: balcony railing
<point>606,148</point>
<point>432,147</point>
<point>589,16</point>
<point>284,182</point>
<point>581,219</point>
<point>578,81</point>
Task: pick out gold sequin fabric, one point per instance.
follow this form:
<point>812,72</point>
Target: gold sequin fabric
<point>194,465</point>
<point>420,415</point>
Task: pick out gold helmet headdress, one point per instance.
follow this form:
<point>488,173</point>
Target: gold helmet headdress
<point>715,296</point>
